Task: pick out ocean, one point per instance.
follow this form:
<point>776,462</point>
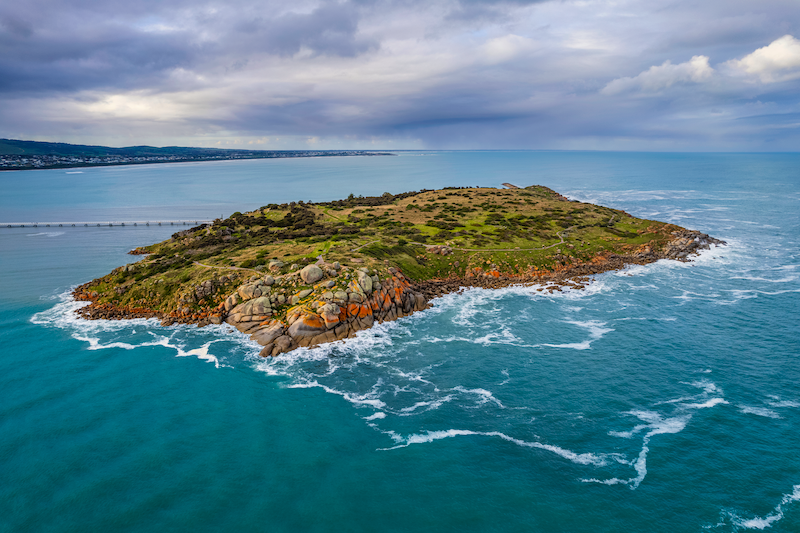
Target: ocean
<point>661,398</point>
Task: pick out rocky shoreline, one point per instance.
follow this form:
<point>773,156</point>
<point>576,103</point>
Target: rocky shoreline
<point>343,300</point>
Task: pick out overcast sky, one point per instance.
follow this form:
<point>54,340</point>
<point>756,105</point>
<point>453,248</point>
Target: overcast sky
<point>557,74</point>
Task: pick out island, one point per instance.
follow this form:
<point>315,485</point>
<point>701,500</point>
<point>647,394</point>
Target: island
<point>301,274</point>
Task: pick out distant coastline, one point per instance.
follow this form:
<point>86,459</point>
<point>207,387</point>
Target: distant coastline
<point>34,155</point>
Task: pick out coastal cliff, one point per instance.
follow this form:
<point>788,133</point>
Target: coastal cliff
<point>304,274</point>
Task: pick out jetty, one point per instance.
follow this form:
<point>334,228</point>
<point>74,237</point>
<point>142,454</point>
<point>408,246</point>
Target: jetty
<point>110,224</point>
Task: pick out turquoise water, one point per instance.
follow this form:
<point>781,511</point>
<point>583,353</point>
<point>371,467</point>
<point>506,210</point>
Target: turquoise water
<point>661,398</point>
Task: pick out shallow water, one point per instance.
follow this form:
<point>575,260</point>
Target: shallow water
<point>661,398</point>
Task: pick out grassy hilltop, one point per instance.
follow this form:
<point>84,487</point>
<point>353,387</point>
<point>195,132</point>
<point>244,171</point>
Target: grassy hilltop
<point>448,233</point>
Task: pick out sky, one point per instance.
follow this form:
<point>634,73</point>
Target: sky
<point>643,75</point>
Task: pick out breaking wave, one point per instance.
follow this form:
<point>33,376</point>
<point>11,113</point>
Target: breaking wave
<point>758,522</point>
<point>184,341</point>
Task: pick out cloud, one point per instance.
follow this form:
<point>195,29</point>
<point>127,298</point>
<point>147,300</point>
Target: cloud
<point>330,29</point>
<point>507,47</point>
<point>399,73</point>
<point>104,44</point>
<point>779,61</point>
<point>658,78</point>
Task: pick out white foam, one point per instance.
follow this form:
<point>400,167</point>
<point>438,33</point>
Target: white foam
<point>63,316</point>
<point>431,436</point>
<point>771,518</point>
<point>201,352</point>
<point>584,345</point>
<point>759,411</point>
<point>628,434</point>
<point>45,234</point>
<point>429,405</point>
<point>786,279</point>
<point>484,396</point>
<point>596,332</point>
<point>413,376</point>
<point>746,294</point>
<point>356,399</point>
<point>471,301</point>
<point>658,425</point>
<point>376,416</point>
<point>708,386</point>
<point>648,318</point>
<point>784,403</point>
<point>504,336</point>
<point>706,404</point>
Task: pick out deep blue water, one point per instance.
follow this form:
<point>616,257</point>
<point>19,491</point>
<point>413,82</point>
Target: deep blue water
<point>661,398</point>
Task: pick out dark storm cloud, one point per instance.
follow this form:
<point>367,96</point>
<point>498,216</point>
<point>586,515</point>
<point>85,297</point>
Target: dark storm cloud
<point>87,45</point>
<point>670,74</point>
<point>328,29</point>
<point>115,57</point>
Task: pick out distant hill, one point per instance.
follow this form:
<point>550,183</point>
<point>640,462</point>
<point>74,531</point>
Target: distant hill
<point>17,147</point>
<point>25,155</point>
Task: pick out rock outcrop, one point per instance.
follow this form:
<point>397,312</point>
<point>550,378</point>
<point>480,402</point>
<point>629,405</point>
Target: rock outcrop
<point>322,313</point>
<point>311,274</point>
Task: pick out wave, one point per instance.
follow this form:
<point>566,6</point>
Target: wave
<point>431,436</point>
<point>504,336</point>
<point>658,424</point>
<point>759,411</point>
<point>388,399</point>
<point>119,334</point>
<point>761,522</point>
<point>706,404</point>
<point>392,385</point>
<point>484,396</point>
<point>786,279</point>
<point>777,402</point>
<point>357,399</point>
<point>708,386</point>
<point>45,234</point>
<point>393,380</point>
<point>595,329</point>
<point>428,405</point>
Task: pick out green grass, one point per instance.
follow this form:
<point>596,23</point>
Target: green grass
<point>489,220</point>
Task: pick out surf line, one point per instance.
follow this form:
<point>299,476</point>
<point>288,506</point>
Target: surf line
<point>430,436</point>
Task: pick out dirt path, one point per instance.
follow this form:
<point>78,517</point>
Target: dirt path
<point>363,245</point>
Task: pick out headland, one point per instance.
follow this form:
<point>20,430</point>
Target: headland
<point>28,155</point>
<point>303,274</point>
